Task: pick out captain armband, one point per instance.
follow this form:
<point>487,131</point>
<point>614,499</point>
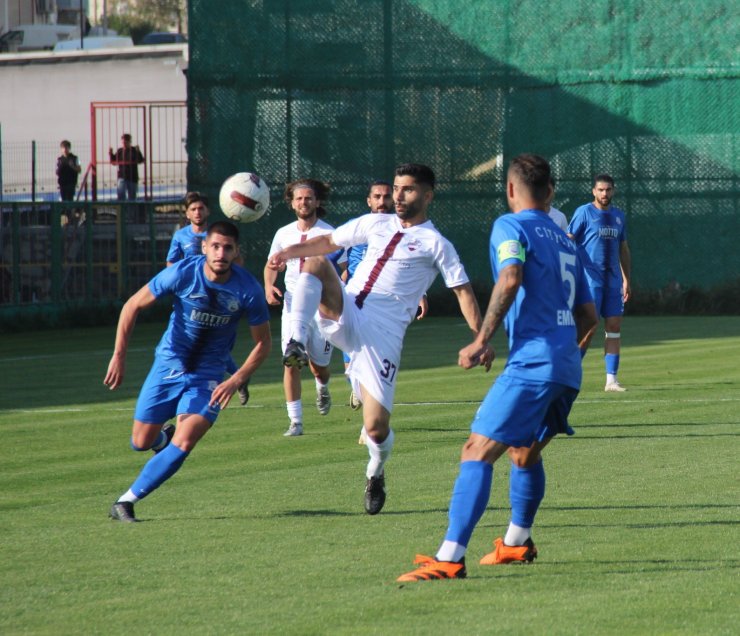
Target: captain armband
<point>510,249</point>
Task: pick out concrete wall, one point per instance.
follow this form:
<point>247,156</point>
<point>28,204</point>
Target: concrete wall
<point>45,97</point>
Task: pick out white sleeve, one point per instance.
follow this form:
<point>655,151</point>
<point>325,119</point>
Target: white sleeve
<point>449,265</point>
<point>353,232</point>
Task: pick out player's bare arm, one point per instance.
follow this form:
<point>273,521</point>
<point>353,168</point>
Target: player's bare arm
<point>316,246</point>
<point>272,293</point>
<point>262,345</point>
<point>126,321</point>
<point>471,312</point>
<point>502,297</point>
<point>625,263</point>
<point>586,322</point>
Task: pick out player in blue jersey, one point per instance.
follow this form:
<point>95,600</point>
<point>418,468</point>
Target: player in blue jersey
<point>187,241</point>
<point>210,294</point>
<point>542,298</point>
<point>600,230</point>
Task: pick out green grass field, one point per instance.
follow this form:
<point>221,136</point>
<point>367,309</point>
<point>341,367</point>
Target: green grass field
<point>638,532</point>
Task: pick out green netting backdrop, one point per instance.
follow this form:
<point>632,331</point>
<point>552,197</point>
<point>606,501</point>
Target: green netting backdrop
<point>646,90</point>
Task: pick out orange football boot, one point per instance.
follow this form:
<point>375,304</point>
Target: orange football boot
<point>510,554</point>
<point>431,570</point>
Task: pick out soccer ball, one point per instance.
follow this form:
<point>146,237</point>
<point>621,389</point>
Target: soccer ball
<point>244,197</point>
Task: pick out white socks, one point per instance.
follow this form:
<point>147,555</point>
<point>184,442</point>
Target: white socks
<point>304,305</point>
<point>517,535</point>
<point>379,454</point>
<point>450,551</point>
<point>295,411</point>
<point>128,496</point>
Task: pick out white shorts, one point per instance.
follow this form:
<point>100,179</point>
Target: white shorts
<point>318,348</point>
<point>374,350</point>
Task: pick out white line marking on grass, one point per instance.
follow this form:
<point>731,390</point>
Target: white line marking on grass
<point>457,402</point>
<point>45,356</point>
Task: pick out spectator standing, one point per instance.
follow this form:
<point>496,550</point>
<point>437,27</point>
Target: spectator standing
<point>68,169</point>
<point>127,158</point>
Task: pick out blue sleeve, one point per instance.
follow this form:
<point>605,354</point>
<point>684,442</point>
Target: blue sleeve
<point>575,227</point>
<point>166,282</point>
<point>257,310</point>
<point>175,253</point>
<point>506,246</point>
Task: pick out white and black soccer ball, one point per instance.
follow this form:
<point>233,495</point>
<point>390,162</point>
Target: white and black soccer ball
<point>244,197</point>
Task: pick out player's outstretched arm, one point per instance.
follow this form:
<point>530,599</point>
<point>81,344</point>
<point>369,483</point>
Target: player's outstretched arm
<point>126,321</point>
<point>481,354</point>
<point>316,246</point>
<point>503,295</point>
<point>262,344</point>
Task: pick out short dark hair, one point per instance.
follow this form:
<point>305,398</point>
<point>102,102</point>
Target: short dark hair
<point>126,137</point>
<point>420,173</point>
<point>194,197</point>
<point>533,173</point>
<point>66,143</point>
<point>604,178</point>
<point>320,188</point>
<point>377,182</point>
<point>225,228</point>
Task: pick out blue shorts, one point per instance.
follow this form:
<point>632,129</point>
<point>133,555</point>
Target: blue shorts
<point>518,412</point>
<point>168,392</point>
<point>609,301</point>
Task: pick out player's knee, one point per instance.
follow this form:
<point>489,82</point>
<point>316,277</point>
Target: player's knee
<point>139,443</point>
<point>377,430</point>
<point>315,265</point>
<point>523,457</point>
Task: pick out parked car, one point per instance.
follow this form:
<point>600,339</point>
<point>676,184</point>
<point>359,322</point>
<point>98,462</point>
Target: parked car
<point>34,37</point>
<point>91,43</point>
<point>163,38</point>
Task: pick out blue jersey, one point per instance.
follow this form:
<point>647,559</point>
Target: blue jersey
<point>205,315</point>
<point>354,255</point>
<point>185,243</point>
<point>540,325</point>
<point>600,233</point>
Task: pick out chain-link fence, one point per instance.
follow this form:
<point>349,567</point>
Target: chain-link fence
<point>343,91</point>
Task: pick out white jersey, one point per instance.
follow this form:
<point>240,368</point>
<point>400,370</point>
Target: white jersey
<point>399,266</point>
<point>560,219</point>
<point>290,235</point>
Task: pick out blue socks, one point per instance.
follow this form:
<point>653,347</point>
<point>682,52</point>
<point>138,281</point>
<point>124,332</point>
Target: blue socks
<point>526,491</point>
<point>612,363</point>
<point>158,470</point>
<point>469,500</point>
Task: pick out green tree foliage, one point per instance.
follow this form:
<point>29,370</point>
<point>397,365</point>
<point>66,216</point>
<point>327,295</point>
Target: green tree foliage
<point>136,19</point>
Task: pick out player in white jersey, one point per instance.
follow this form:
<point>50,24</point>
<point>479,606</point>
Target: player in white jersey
<point>368,317</point>
<point>304,197</point>
<point>556,215</point>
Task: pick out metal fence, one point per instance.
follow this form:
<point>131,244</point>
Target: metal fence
<point>28,169</point>
<point>94,252</point>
